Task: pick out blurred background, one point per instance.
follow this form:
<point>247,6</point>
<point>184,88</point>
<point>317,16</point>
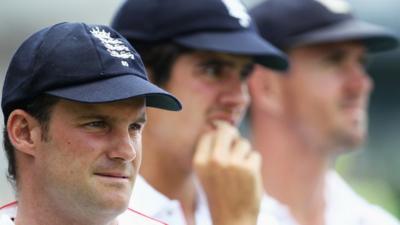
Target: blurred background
<point>371,170</point>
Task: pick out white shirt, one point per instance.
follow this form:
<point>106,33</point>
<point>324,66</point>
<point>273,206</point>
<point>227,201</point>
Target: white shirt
<point>343,207</point>
<point>129,217</point>
<point>148,200</point>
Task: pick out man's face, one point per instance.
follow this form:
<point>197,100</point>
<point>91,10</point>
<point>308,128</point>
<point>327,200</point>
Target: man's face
<point>326,94</point>
<point>91,155</point>
<point>211,86</point>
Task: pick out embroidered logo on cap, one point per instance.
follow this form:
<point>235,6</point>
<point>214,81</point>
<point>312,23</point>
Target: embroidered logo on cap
<point>336,6</point>
<point>237,10</point>
<point>115,47</point>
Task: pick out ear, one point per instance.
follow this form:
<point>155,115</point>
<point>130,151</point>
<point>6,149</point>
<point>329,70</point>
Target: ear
<point>24,131</point>
<point>265,87</point>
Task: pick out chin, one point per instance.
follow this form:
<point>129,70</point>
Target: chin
<point>354,141</point>
<point>116,204</point>
<point>348,140</point>
<point>113,199</point>
<point>354,136</point>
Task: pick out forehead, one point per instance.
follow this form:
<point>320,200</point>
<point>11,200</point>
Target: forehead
<point>350,47</point>
<point>134,106</point>
<point>223,57</point>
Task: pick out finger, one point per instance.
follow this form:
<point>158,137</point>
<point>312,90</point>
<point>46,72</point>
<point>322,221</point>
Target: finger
<point>254,161</point>
<point>225,134</point>
<point>204,148</point>
<point>240,151</point>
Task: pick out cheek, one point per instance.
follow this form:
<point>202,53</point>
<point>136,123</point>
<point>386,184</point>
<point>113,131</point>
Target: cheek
<point>81,144</point>
<point>309,100</point>
<point>322,104</point>
<point>74,148</point>
<point>190,88</point>
<point>198,99</point>
<point>197,95</point>
<point>61,162</point>
<point>137,144</point>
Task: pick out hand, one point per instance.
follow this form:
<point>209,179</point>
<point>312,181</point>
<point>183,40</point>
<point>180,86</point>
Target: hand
<point>230,173</point>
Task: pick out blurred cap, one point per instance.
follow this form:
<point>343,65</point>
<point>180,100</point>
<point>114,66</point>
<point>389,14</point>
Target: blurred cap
<point>213,25</point>
<point>79,62</point>
<point>294,23</point>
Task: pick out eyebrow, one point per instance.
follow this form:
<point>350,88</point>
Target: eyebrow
<point>216,62</point>
<point>142,118</point>
<point>245,70</point>
<point>345,52</point>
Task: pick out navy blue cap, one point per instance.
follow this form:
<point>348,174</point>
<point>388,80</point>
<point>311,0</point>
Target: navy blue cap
<point>213,25</point>
<point>293,23</point>
<point>79,62</point>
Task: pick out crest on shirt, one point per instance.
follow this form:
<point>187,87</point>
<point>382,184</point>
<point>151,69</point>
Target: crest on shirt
<point>336,6</point>
<point>238,10</point>
<point>115,47</point>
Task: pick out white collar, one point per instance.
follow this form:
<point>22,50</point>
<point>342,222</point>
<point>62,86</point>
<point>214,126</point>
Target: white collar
<point>6,220</point>
<point>148,200</point>
<point>343,206</point>
<point>129,217</point>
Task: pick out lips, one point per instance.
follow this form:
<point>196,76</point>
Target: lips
<point>115,175</point>
<point>231,118</point>
<point>228,119</point>
<point>354,108</point>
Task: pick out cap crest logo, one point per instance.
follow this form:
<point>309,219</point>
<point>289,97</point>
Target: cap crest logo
<point>336,6</point>
<point>238,10</point>
<point>115,47</point>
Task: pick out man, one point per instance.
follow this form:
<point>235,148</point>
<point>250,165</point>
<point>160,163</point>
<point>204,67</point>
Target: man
<point>302,119</point>
<point>74,102</point>
<point>202,52</point>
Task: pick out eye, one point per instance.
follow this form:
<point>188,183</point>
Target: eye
<point>213,70</point>
<point>136,127</point>
<point>246,71</point>
<point>336,57</point>
<point>96,124</point>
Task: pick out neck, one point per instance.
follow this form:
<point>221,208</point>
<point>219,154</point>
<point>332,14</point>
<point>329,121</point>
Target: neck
<point>35,209</point>
<point>169,178</point>
<point>293,171</point>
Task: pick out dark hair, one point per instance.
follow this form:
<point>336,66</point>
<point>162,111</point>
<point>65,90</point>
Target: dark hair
<point>40,108</point>
<point>159,57</point>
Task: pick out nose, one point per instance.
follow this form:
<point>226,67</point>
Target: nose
<point>358,82</point>
<point>123,147</point>
<point>235,93</point>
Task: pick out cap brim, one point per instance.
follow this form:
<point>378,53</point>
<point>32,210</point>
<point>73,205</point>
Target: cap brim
<point>374,37</point>
<point>119,88</point>
<point>237,42</point>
